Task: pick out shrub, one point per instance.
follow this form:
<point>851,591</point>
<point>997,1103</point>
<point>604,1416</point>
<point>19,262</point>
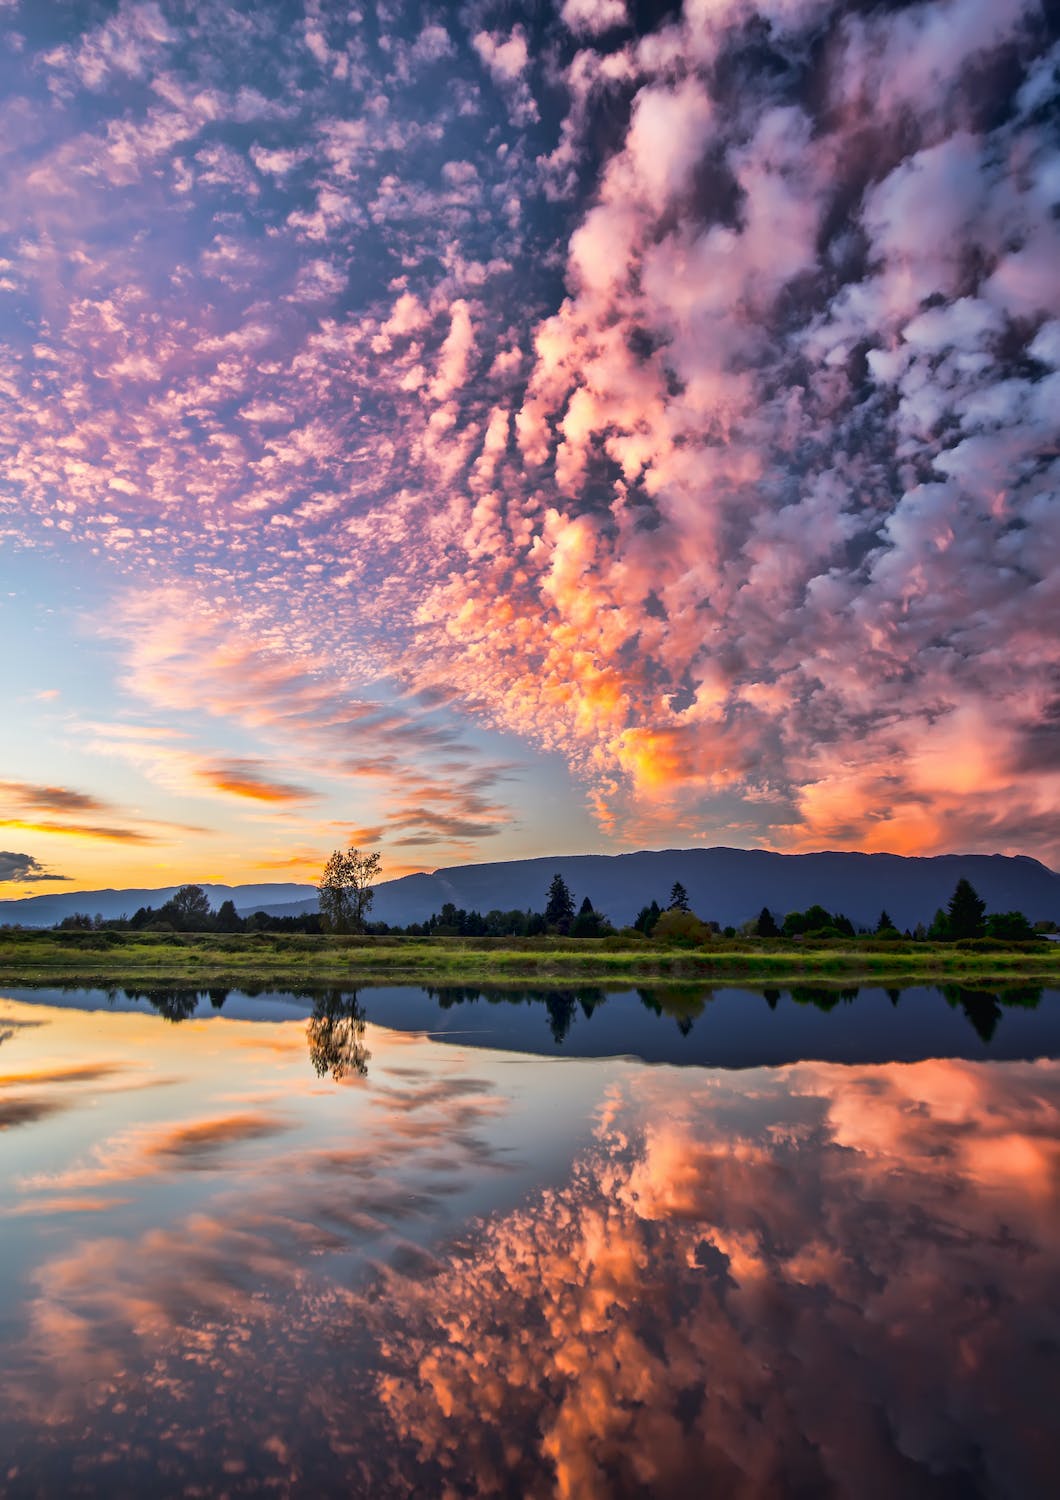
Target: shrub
<point>676,926</point>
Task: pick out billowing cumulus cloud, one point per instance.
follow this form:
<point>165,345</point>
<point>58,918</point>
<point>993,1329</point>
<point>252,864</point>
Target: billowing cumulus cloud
<point>681,400</point>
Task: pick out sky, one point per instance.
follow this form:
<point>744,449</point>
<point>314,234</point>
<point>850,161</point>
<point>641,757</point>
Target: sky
<point>482,431</point>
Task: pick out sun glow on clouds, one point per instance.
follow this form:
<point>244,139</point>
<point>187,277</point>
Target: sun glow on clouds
<point>682,402</point>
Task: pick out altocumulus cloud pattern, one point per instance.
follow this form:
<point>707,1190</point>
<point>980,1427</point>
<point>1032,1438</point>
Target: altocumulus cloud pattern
<point>674,387</point>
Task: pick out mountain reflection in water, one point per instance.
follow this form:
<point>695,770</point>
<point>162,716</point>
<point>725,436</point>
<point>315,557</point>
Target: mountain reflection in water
<point>410,1266</point>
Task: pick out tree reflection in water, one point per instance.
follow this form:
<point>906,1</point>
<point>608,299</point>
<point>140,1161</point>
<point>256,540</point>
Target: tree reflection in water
<point>172,1004</point>
<point>335,1032</point>
<point>336,1029</point>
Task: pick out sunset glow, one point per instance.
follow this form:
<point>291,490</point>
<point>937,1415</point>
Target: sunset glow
<point>506,430</point>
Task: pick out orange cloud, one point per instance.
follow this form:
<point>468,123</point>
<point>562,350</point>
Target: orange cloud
<point>243,778</point>
<point>81,831</point>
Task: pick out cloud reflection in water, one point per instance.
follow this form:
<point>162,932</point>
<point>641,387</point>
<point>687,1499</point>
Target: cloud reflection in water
<point>813,1279</point>
<point>836,1281</point>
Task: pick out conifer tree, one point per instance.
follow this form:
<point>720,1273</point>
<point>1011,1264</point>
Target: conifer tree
<point>965,912</point>
<point>559,907</point>
<point>678,898</point>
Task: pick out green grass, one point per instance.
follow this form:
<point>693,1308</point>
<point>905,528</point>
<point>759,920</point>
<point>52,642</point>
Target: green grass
<point>282,960</point>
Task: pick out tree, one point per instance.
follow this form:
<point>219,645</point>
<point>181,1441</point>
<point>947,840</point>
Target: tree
<point>561,1007</point>
<point>227,918</point>
<point>188,910</point>
<point>335,1032</point>
<point>766,925</point>
<point>345,891</point>
<point>813,919</point>
<point>964,915</point>
<point>884,924</point>
<point>647,918</point>
<point>589,923</point>
<point>678,898</point>
<point>939,930</point>
<point>559,908</point>
<point>1012,926</point>
<point>677,926</point>
<point>173,1004</point>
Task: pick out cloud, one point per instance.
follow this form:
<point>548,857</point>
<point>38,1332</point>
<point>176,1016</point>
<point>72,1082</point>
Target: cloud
<point>72,1073</point>
<point>594,16</point>
<point>557,1323</point>
<point>244,778</point>
<point>81,830</point>
<point>51,798</point>
<point>723,1289</point>
<point>508,59</point>
<point>183,653</point>
<point>148,1150</point>
<point>24,868</point>
<point>60,1206</point>
<point>686,415</point>
<point>127,44</point>
<point>26,1111</point>
<point>37,802</point>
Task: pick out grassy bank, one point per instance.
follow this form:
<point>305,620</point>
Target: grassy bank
<point>282,960</point>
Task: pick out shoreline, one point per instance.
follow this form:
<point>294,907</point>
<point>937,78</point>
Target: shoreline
<point>108,959</point>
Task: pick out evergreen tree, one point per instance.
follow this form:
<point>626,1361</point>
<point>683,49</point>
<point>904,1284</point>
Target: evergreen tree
<point>647,918</point>
<point>588,921</point>
<point>678,898</point>
<point>939,930</point>
<point>561,1009</point>
<point>227,918</point>
<point>965,912</point>
<point>766,925</point>
<point>559,908</point>
<point>884,924</point>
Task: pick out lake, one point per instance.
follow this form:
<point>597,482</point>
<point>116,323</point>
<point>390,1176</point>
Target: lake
<point>667,1242</point>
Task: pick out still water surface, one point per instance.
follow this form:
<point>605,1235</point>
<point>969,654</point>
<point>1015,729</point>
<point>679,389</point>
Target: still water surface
<point>665,1242</point>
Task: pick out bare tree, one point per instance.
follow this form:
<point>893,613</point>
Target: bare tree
<point>345,891</point>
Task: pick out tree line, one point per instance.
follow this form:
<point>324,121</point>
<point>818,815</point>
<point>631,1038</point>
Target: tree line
<point>346,892</point>
<point>189,910</point>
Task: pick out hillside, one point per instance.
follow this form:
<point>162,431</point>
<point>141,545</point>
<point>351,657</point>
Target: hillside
<point>726,885</point>
<point>45,911</point>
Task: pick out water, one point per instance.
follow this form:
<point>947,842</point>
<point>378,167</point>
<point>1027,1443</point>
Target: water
<point>667,1242</point>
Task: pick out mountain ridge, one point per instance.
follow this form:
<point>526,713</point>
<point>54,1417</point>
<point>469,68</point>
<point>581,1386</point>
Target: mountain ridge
<point>725,884</point>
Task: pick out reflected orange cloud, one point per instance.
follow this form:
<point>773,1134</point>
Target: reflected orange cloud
<point>60,1205</point>
<point>691,1310</point>
<point>769,1283</point>
<point>144,1150</point>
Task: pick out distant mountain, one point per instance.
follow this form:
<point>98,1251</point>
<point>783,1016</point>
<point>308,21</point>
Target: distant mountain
<point>731,885</point>
<point>45,911</point>
<point>725,885</point>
